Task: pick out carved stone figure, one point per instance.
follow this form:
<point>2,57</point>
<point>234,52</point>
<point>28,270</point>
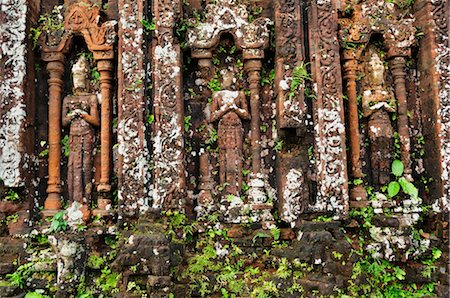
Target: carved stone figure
<point>230,108</point>
<point>80,114</point>
<point>377,103</point>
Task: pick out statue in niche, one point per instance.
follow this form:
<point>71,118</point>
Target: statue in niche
<point>229,107</point>
<point>377,103</point>
<point>80,114</point>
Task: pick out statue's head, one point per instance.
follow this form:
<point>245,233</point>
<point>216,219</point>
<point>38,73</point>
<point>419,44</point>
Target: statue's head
<point>80,72</point>
<point>376,69</point>
<point>227,78</point>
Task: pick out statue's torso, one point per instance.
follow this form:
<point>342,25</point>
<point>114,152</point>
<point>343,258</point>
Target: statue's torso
<point>79,126</point>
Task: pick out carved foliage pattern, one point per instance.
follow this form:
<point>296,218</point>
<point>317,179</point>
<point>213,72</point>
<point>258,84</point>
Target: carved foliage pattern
<point>228,16</point>
<point>134,174</point>
<point>168,109</point>
<point>329,123</point>
<point>12,73</point>
<point>441,14</point>
<point>291,107</point>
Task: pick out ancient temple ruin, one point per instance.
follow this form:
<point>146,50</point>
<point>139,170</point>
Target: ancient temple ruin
<point>224,148</point>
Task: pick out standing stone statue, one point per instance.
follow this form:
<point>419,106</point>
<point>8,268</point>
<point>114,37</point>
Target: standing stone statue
<point>80,114</point>
<point>230,108</point>
<point>377,103</point>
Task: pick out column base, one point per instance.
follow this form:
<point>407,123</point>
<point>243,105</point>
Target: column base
<point>358,197</point>
<point>103,209</point>
<point>52,205</point>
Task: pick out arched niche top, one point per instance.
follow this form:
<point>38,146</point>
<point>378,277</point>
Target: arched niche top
<point>375,17</point>
<point>81,19</point>
<point>225,16</point>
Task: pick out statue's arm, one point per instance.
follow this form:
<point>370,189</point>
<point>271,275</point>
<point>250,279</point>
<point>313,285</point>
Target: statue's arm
<point>243,111</point>
<point>65,110</point>
<point>93,117</point>
<point>216,112</point>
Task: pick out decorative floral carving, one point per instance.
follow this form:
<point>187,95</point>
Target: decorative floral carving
<point>168,108</point>
<point>289,42</point>
<point>12,105</point>
<point>228,16</point>
<point>81,18</point>
<point>329,120</point>
<point>134,173</point>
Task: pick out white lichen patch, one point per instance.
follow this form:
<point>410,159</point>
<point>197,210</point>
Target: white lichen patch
<point>292,196</point>
<point>330,161</point>
<point>74,215</point>
<point>134,193</point>
<point>229,16</point>
<point>168,141</point>
<point>12,97</point>
<point>443,113</point>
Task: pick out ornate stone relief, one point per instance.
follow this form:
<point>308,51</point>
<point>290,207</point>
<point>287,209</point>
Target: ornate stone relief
<point>133,150</point>
<point>291,106</point>
<point>168,108</point>
<point>331,176</point>
<point>398,36</point>
<point>80,19</point>
<point>12,94</point>
<point>229,107</point>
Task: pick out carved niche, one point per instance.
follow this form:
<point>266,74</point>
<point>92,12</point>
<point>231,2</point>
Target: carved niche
<point>395,32</point>
<point>229,111</point>
<point>79,19</point>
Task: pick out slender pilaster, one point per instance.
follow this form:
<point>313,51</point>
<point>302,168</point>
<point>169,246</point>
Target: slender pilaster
<point>398,72</point>
<point>357,192</point>
<point>55,69</point>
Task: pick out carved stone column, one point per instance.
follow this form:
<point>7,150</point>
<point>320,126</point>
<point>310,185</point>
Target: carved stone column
<point>170,175</point>
<point>350,69</point>
<point>55,68</point>
<point>433,18</point>
<point>253,68</point>
<point>398,71</point>
<point>206,185</point>
<point>133,154</point>
<point>331,159</point>
<point>105,68</point>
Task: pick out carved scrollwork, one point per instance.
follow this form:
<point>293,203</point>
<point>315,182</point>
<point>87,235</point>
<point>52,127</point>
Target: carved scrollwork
<point>168,108</point>
<point>291,106</point>
<point>330,130</point>
<point>81,18</point>
<point>227,16</point>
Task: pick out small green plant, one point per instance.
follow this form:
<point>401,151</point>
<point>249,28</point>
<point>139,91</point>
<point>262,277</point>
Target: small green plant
<point>58,223</point>
<point>95,75</point>
<point>36,295</point>
<point>299,76</point>
<point>22,273</point>
<point>107,281</point>
<point>214,85</point>
<point>187,123</point>
<point>44,152</point>
<point>401,183</point>
<point>278,145</point>
<point>267,78</point>
<point>323,218</point>
<point>48,23</point>
<point>12,196</point>
<point>148,27</point>
<point>151,119</point>
<point>65,146</point>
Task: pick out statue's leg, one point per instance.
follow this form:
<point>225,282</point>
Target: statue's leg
<point>88,147</point>
<point>77,170</point>
<point>380,134</point>
<point>70,180</point>
<point>239,168</point>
